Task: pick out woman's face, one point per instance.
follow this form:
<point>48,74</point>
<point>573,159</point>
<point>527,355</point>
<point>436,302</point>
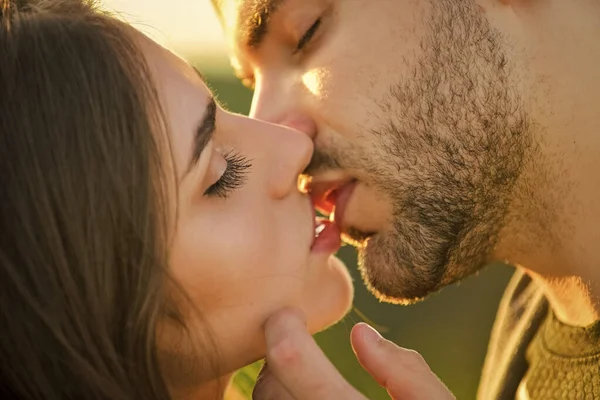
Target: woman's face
<point>245,242</point>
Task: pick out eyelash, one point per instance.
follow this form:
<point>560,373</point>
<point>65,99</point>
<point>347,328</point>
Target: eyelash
<point>308,35</point>
<point>233,178</point>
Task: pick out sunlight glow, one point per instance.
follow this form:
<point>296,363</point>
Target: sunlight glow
<point>313,81</point>
<point>189,27</point>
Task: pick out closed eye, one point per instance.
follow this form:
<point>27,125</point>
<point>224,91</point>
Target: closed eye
<point>233,178</point>
<point>308,35</point>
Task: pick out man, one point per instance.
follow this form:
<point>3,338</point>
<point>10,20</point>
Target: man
<point>450,133</point>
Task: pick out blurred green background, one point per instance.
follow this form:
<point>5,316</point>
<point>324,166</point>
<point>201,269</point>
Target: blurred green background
<point>450,329</point>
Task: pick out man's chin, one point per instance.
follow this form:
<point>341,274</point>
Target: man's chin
<point>383,293</point>
<point>391,280</point>
<point>357,238</point>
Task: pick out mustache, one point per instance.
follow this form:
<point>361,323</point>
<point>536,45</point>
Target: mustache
<point>323,160</point>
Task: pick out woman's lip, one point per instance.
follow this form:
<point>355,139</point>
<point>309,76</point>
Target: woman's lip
<point>329,239</point>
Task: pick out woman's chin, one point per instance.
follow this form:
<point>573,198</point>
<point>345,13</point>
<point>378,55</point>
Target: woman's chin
<point>332,298</point>
<point>325,297</point>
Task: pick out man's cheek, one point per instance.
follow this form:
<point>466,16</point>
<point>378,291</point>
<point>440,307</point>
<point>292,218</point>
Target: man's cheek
<point>317,81</point>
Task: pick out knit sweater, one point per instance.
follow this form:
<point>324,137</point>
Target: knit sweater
<point>533,356</point>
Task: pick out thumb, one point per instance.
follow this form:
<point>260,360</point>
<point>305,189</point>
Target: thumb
<point>403,372</point>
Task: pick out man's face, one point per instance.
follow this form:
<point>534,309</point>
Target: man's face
<point>419,132</point>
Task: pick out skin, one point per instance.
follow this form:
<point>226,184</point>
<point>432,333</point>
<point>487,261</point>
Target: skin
<point>299,370</point>
<point>235,257</point>
<point>471,128</point>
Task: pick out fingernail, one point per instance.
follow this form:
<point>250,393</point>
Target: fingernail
<point>370,334</point>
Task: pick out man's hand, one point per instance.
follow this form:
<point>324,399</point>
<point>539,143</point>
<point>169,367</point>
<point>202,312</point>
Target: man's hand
<point>297,369</point>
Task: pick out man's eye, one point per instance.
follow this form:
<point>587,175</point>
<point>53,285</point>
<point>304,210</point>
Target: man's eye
<point>308,35</point>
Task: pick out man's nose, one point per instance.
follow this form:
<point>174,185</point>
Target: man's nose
<point>280,105</point>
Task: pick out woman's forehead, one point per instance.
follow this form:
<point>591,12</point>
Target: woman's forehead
<point>168,66</point>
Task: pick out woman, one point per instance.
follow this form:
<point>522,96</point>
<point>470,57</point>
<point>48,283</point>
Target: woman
<point>146,234</point>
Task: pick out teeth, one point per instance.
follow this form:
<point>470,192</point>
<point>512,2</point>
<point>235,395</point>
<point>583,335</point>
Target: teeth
<point>319,228</point>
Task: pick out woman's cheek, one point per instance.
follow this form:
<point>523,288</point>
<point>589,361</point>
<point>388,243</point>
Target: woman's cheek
<point>217,256</point>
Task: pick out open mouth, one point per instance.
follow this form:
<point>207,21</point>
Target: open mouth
<point>331,198</point>
<point>327,237</point>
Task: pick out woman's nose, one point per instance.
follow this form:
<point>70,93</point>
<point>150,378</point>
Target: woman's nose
<point>278,154</point>
<point>290,152</point>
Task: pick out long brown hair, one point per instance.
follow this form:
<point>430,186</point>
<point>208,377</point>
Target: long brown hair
<point>83,202</point>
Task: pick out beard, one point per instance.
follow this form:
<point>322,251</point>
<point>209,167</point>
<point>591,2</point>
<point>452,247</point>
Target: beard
<point>455,142</point>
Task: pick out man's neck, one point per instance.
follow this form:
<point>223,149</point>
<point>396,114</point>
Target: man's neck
<point>574,300</point>
<point>552,230</point>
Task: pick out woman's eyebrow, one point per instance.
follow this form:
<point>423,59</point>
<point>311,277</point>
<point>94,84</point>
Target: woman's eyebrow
<point>204,132</point>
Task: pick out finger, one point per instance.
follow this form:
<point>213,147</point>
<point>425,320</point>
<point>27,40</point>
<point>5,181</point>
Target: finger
<point>403,372</point>
<point>299,364</point>
<point>268,387</point>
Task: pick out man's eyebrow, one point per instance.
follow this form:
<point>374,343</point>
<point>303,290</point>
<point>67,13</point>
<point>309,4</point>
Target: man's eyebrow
<point>255,16</point>
<point>204,132</point>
